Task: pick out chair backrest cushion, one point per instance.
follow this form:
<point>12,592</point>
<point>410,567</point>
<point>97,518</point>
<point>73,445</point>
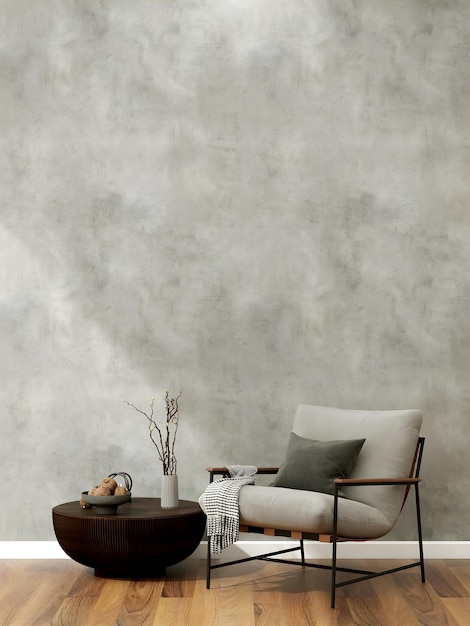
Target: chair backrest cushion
<point>388,452</point>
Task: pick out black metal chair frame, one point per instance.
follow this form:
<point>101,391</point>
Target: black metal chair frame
<point>334,539</point>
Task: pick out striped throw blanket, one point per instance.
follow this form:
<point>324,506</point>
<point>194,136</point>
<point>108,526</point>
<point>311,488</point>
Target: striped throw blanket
<point>221,504</point>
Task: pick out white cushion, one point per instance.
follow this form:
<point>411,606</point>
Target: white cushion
<point>308,511</point>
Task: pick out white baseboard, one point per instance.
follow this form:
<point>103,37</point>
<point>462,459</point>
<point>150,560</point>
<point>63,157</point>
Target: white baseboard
<point>31,550</point>
<point>313,550</point>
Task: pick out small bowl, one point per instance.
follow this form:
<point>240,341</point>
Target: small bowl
<point>105,505</point>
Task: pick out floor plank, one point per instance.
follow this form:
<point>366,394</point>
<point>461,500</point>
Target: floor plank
<point>140,603</point>
<point>108,605</point>
<point>172,611</point>
<point>443,580</point>
<point>423,599</point>
<point>459,608</point>
<point>463,575</point>
<point>78,606</point>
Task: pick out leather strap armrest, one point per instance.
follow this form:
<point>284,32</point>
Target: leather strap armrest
<point>356,482</point>
<point>261,470</point>
<point>213,471</point>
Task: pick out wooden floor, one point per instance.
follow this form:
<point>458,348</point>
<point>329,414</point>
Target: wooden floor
<point>34,593</point>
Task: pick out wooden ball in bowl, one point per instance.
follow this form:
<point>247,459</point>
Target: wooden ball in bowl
<point>105,505</point>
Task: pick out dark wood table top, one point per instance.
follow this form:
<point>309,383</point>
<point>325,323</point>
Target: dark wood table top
<point>136,508</point>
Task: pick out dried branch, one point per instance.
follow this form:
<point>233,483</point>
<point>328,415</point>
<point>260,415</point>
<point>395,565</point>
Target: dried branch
<point>165,445</point>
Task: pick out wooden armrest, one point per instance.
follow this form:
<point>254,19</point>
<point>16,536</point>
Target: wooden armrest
<point>349,482</point>
<point>261,470</point>
<point>223,470</point>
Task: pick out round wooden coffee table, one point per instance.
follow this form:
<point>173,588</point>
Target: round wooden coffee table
<point>141,540</point>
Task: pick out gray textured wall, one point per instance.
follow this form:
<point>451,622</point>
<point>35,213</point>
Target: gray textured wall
<point>261,203</point>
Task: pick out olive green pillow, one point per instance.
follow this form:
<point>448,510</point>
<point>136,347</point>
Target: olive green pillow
<point>313,465</point>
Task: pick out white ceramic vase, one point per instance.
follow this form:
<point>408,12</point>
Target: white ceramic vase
<point>169,492</point>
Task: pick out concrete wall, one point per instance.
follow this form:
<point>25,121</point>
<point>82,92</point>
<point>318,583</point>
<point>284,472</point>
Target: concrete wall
<point>260,203</point>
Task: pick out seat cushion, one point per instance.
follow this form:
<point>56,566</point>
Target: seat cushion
<point>307,511</point>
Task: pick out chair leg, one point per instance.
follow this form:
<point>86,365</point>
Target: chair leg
<point>420,535</point>
<point>208,564</point>
<point>302,551</point>
<point>333,575</point>
<point>334,538</point>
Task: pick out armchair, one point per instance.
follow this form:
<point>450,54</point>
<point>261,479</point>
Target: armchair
<point>346,476</point>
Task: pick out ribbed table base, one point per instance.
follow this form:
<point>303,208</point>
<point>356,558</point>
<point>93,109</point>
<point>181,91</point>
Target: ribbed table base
<point>140,541</point>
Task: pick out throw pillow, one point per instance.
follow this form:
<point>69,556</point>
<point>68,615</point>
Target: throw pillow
<point>313,465</point>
